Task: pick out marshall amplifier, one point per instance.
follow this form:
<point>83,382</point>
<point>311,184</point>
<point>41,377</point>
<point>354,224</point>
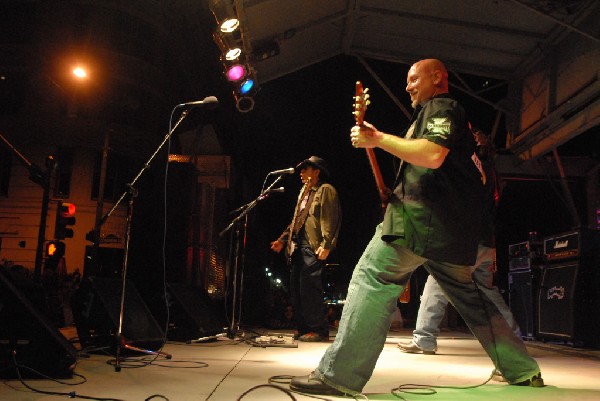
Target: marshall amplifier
<point>524,255</point>
<point>582,244</point>
<point>564,246</point>
<point>569,294</point>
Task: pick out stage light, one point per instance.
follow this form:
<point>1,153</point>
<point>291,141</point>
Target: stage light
<point>229,25</point>
<point>246,89</point>
<point>231,48</point>
<point>244,104</point>
<point>247,86</point>
<point>233,54</point>
<point>236,55</point>
<point>225,15</point>
<point>236,72</point>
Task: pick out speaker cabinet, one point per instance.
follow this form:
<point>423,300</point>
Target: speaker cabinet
<point>568,303</point>
<point>523,287</point>
<point>190,314</point>
<point>97,309</point>
<point>28,337</point>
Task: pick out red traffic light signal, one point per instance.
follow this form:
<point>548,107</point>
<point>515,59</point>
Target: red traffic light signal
<point>65,217</point>
<point>55,249</point>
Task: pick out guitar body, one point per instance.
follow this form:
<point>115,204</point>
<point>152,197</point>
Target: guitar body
<point>361,101</point>
<point>405,296</point>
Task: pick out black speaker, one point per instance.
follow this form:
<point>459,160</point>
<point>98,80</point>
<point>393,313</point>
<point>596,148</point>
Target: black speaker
<point>523,287</point>
<point>569,300</point>
<point>190,314</point>
<point>97,313</point>
<point>28,337</point>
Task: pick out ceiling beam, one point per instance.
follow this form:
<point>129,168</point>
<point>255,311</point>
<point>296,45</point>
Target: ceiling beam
<point>380,12</point>
<point>578,114</point>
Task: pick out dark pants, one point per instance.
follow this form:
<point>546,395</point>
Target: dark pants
<point>306,292</point>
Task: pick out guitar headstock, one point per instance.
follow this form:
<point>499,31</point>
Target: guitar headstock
<point>361,101</point>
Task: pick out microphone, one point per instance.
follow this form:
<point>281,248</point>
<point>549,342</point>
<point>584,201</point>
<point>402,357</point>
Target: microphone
<point>270,191</point>
<point>290,170</point>
<point>209,102</point>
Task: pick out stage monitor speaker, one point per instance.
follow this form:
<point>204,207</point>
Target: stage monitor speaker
<point>28,337</point>
<point>523,287</point>
<point>97,310</point>
<point>190,314</point>
<point>569,300</point>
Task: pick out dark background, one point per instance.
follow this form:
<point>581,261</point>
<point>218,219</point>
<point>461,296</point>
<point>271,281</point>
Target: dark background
<point>310,113</point>
<point>305,113</point>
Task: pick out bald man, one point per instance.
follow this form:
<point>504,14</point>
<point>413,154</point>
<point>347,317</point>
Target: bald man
<point>433,219</point>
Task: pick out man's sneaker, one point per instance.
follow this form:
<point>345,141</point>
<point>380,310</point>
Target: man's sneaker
<point>413,348</point>
<point>313,385</point>
<point>535,381</point>
<point>498,376</point>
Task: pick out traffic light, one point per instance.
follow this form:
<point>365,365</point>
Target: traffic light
<point>65,217</point>
<point>55,250</point>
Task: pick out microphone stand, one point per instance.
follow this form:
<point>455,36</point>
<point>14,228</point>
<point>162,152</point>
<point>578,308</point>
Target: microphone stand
<point>132,192</point>
<point>42,178</point>
<point>238,259</point>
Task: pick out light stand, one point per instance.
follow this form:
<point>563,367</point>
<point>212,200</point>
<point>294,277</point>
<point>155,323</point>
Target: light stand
<point>238,264</point>
<point>132,192</point>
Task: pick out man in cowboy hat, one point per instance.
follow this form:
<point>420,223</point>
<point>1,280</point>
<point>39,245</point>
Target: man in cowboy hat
<point>308,240</point>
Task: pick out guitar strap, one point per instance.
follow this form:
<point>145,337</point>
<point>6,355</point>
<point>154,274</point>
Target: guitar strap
<point>300,214</point>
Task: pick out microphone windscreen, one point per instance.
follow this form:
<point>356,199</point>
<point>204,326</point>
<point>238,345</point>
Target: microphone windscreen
<point>211,101</point>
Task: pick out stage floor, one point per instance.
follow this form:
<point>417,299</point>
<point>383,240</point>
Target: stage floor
<point>224,369</point>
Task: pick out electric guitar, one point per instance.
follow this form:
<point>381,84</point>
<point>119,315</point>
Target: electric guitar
<point>361,101</point>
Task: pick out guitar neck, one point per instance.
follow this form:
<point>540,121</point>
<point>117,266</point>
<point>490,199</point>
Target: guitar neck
<point>360,105</point>
<point>381,188</point>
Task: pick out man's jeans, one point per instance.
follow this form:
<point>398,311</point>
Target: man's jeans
<point>377,281</point>
<point>434,302</point>
<point>306,292</point>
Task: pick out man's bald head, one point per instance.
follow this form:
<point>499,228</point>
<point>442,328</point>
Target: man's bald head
<point>426,79</point>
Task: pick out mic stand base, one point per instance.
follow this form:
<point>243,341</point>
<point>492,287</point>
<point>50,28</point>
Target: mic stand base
<point>147,351</point>
<point>124,346</point>
<point>232,334</point>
